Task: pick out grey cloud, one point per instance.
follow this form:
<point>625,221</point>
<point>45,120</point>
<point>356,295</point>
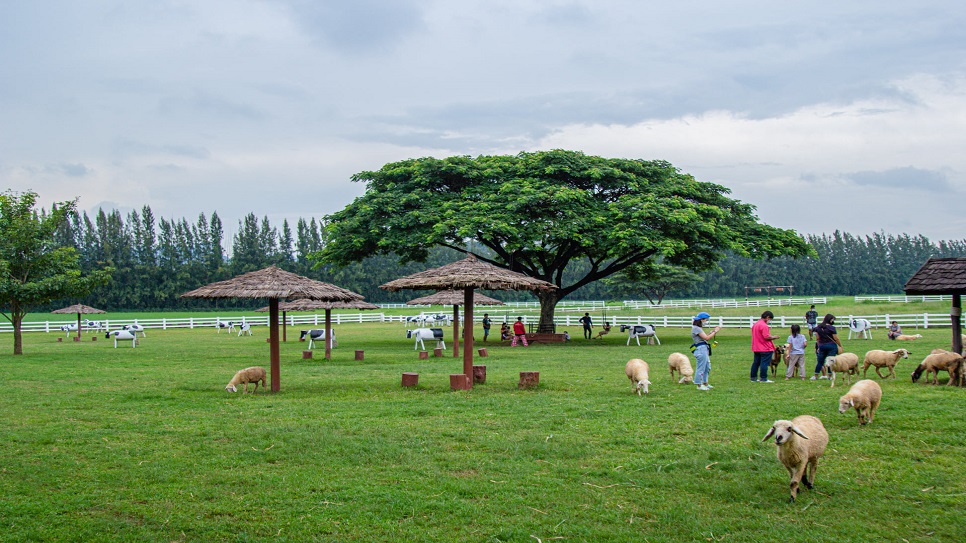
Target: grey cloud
<point>360,25</point>
<point>908,177</point>
<point>129,147</point>
<point>72,170</point>
<point>202,103</point>
<point>566,14</point>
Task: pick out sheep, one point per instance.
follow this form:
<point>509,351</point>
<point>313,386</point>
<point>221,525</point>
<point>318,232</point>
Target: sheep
<point>906,337</point>
<point>860,327</point>
<point>637,331</point>
<point>243,328</point>
<point>864,396</point>
<point>135,328</point>
<point>938,360</point>
<point>801,442</point>
<point>845,362</point>
<point>881,359</point>
<point>781,352</point>
<point>122,334</point>
<point>638,371</point>
<point>253,374</point>
<point>682,364</point>
<point>230,326</point>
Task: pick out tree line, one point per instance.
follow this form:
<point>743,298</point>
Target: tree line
<point>155,260</point>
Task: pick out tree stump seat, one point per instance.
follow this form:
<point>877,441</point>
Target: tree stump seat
<point>529,379</point>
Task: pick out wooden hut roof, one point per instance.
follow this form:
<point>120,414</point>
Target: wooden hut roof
<point>453,297</point>
<point>78,308</point>
<point>468,273</point>
<point>306,304</point>
<point>939,276</point>
<point>273,282</point>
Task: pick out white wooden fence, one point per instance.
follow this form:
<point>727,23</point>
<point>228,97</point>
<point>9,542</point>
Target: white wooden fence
<point>774,302</point>
<point>906,299</point>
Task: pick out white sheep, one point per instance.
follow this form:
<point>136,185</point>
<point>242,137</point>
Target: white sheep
<point>883,359</point>
<point>864,396</point>
<point>244,328</point>
<point>906,337</point>
<point>682,364</point>
<point>940,359</point>
<point>253,374</point>
<point>638,372</point>
<point>122,334</point>
<point>801,442</point>
<point>847,363</point>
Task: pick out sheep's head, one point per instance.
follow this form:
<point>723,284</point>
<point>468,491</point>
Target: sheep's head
<point>829,361</point>
<point>846,403</point>
<point>642,385</point>
<point>231,388</point>
<point>902,352</point>
<point>783,430</point>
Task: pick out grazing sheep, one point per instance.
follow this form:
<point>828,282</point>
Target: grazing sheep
<point>845,362</point>
<point>883,359</point>
<point>781,352</point>
<point>938,360</point>
<point>638,371</point>
<point>864,396</point>
<point>122,335</point>
<point>801,442</point>
<point>682,364</point>
<point>253,374</point>
<point>244,328</point>
<point>906,337</point>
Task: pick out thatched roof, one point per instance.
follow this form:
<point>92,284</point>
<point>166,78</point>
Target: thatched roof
<point>468,273</point>
<point>78,308</point>
<point>939,276</point>
<point>273,282</point>
<point>453,297</point>
<point>312,305</point>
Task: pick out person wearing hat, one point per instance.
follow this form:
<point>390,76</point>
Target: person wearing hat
<point>763,347</point>
<point>702,349</point>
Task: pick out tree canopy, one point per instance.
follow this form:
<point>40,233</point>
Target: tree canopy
<point>34,267</point>
<point>537,212</point>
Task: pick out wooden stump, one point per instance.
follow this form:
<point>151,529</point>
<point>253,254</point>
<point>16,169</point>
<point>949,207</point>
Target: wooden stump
<point>479,374</point>
<point>483,353</point>
<point>360,355</point>
<point>409,379</point>
<point>268,340</point>
<point>76,338</point>
<point>93,338</point>
<point>306,355</point>
<point>459,381</point>
<point>302,339</point>
<point>529,379</point>
<point>437,352</point>
<point>60,340</point>
<point>423,355</point>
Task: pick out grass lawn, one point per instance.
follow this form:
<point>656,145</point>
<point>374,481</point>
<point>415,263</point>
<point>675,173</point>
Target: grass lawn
<point>145,445</point>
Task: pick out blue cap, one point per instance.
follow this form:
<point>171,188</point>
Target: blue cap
<point>702,315</point>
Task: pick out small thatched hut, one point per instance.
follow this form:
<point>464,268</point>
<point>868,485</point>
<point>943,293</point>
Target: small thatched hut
<point>943,276</point>
<point>455,299</point>
<point>80,309</point>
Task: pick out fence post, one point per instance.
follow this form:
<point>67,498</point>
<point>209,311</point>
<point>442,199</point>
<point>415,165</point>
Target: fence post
<point>925,320</point>
<point>164,324</point>
<point>191,323</point>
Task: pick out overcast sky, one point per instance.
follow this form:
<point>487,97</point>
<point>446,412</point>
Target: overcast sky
<point>847,115</point>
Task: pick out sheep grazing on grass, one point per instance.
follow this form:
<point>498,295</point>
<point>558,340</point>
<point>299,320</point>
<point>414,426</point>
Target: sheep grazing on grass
<point>907,337</point>
<point>801,442</point>
<point>682,364</point>
<point>253,374</point>
<point>864,396</point>
<point>883,359</point>
<point>940,360</point>
<point>847,363</point>
<point>638,371</point>
<point>781,353</point>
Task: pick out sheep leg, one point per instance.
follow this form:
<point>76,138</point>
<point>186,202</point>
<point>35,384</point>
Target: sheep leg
<point>810,473</point>
<point>892,372</point>
<point>877,373</point>
<point>796,478</point>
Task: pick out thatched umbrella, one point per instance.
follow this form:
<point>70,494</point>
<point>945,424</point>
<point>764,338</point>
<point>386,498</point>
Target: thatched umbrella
<point>80,309</point>
<point>466,275</point>
<point>305,304</point>
<point>273,283</point>
<point>455,299</point>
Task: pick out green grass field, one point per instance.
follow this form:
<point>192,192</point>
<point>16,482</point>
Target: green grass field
<point>145,445</point>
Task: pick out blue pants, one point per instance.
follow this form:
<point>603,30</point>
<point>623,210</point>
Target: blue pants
<point>703,365</point>
<point>823,352</point>
<point>760,365</point>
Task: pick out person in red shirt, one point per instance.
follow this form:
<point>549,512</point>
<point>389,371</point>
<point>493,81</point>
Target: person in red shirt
<point>519,332</point>
<point>763,347</point>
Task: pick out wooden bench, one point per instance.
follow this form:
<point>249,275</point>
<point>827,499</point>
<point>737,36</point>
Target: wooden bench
<point>546,338</point>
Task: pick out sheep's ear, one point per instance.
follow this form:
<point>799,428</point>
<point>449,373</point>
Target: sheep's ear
<point>769,434</point>
<point>799,432</point>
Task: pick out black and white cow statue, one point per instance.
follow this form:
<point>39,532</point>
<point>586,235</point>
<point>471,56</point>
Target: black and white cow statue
<point>68,328</point>
<point>317,335</point>
<point>637,331</point>
<point>229,326</point>
<point>122,335</point>
<point>244,328</point>
<point>428,334</point>
<point>135,329</point>
<point>95,325</point>
<point>860,327</point>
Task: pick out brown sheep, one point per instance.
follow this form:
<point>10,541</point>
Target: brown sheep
<point>886,359</point>
<point>942,360</point>
<point>253,374</point>
<point>864,396</point>
<point>801,442</point>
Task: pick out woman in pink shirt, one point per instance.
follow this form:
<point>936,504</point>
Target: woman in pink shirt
<point>763,347</point>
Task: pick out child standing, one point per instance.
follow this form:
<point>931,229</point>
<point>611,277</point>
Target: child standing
<point>796,356</point>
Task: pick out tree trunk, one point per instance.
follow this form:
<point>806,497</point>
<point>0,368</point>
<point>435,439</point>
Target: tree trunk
<point>16,318</point>
<point>548,304</point>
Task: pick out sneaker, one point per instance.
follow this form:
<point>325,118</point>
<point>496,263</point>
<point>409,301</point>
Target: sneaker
<point>754,380</point>
<point>824,377</point>
<point>813,378</point>
<point>709,386</point>
<point>704,387</point>
<point>766,381</point>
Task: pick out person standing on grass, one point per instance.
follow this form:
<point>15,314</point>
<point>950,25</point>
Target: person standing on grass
<point>811,317</point>
<point>486,325</point>
<point>796,355</point>
<point>588,325</point>
<point>519,332</point>
<point>702,349</point>
<point>828,344</point>
<point>763,347</point>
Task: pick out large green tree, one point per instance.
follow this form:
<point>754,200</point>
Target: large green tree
<point>537,212</point>
<point>34,269</point>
